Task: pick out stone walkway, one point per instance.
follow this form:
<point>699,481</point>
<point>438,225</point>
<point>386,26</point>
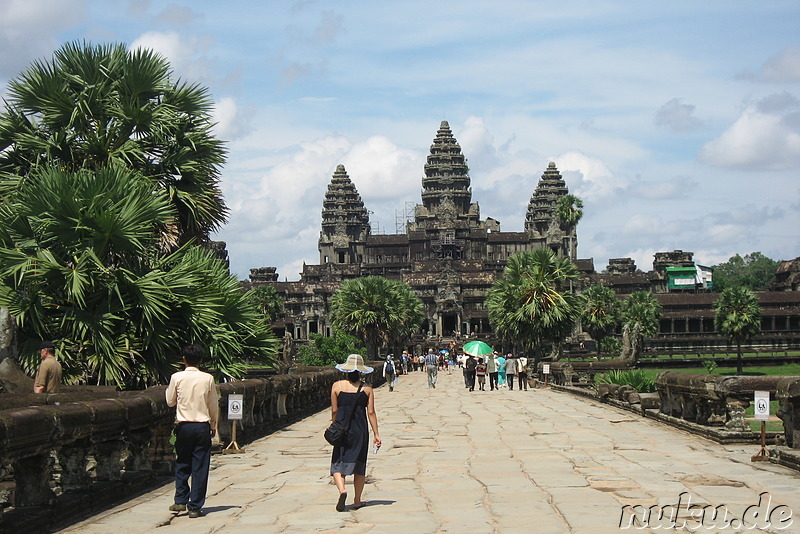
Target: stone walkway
<point>456,461</point>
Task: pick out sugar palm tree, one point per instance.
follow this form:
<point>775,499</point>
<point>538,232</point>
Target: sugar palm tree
<point>79,264</point>
<point>601,313</point>
<point>91,106</point>
<point>569,210</point>
<point>374,309</point>
<point>529,304</point>
<point>737,315</point>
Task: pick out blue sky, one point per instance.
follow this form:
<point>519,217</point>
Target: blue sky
<point>677,123</point>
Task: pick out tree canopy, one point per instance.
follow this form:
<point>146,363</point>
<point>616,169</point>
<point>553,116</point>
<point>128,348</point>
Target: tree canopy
<point>754,271</point>
<point>376,310</point>
<point>90,106</point>
<point>737,316</point>
<point>600,313</point>
<point>642,308</point>
<point>529,303</point>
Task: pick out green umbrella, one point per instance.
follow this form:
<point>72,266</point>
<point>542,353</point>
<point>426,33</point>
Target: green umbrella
<point>477,348</point>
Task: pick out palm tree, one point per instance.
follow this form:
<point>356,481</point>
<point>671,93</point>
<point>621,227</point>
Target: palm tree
<point>375,309</point>
<point>601,313</point>
<point>737,315</point>
<point>528,304</point>
<point>569,210</point>
<point>91,106</point>
<point>641,315</point>
<point>79,264</point>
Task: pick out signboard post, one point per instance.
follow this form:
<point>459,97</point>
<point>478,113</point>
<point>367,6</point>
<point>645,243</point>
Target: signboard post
<point>235,410</point>
<point>545,371</point>
<point>761,413</point>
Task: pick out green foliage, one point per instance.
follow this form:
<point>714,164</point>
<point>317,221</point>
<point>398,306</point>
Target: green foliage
<point>709,366</point>
<point>267,301</point>
<point>529,304</point>
<point>80,264</point>
<point>737,315</point>
<point>600,313</point>
<point>92,106</point>
<point>753,271</point>
<point>611,345</point>
<point>377,310</point>
<point>635,378</point>
<point>328,351</point>
<point>642,307</point>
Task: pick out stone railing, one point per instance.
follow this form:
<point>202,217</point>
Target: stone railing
<point>580,373</point>
<point>68,454</point>
<point>789,397</point>
<point>712,400</point>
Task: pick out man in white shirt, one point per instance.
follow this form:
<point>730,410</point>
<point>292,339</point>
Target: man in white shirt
<point>194,394</point>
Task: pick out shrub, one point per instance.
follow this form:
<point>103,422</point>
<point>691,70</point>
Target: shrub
<point>635,378</point>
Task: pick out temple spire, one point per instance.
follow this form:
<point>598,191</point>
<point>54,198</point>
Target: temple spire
<point>345,221</point>
<point>446,173</point>
<point>541,220</point>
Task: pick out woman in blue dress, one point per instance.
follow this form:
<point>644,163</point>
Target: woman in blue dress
<point>501,372</point>
<point>350,458</point>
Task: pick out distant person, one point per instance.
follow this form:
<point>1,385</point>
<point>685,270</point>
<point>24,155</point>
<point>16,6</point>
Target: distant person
<point>194,394</point>
<point>480,374</point>
<point>501,372</point>
<point>522,372</point>
<point>511,370</point>
<point>469,371</point>
<point>352,395</point>
<point>389,372</point>
<point>48,377</point>
<point>433,371</point>
<point>491,369</point>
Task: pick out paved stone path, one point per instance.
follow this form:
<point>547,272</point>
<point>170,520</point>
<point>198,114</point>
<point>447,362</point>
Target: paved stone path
<point>456,461</point>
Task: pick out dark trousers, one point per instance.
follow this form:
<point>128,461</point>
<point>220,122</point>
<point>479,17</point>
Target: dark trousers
<point>523,380</point>
<point>492,380</point>
<point>193,449</point>
<point>510,381</point>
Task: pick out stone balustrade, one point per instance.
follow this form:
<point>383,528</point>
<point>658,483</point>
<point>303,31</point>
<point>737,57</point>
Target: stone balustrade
<point>712,400</point>
<point>788,396</point>
<point>70,453</point>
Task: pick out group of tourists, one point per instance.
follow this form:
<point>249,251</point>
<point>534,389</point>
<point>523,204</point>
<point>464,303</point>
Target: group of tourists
<point>501,370</point>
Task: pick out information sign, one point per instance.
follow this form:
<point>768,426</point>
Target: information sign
<point>546,368</point>
<point>235,405</point>
<point>761,406</point>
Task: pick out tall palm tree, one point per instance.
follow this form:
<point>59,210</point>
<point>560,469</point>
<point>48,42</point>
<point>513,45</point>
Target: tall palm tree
<point>737,315</point>
<point>642,308</point>
<point>528,304</point>
<point>374,309</point>
<point>95,105</point>
<point>569,210</point>
<point>79,264</point>
<point>601,313</point>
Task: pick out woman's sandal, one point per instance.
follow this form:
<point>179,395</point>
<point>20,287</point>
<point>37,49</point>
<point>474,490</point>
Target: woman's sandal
<point>340,503</point>
<point>357,506</point>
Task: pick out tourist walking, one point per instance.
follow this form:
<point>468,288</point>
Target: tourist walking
<point>480,373</point>
<point>389,372</point>
<point>348,396</point>
<point>511,370</point>
<point>196,400</point>
<point>469,371</point>
<point>433,372</point>
<point>48,377</point>
<point>501,372</point>
<point>522,371</point>
<point>491,368</point>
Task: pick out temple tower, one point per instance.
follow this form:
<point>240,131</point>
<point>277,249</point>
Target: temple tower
<point>541,221</point>
<point>446,192</point>
<point>345,222</point>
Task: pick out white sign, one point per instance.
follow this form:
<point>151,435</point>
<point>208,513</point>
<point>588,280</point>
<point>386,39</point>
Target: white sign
<point>235,406</point>
<point>546,368</point>
<point>761,406</point>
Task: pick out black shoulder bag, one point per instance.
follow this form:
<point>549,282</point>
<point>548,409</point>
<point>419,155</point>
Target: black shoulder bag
<point>336,433</point>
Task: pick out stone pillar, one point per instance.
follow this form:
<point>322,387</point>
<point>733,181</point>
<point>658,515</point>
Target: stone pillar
<point>73,459</point>
<point>107,456</point>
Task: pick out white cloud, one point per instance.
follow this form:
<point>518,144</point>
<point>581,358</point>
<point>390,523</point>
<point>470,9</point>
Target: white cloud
<point>230,122</point>
<point>783,67</point>
<point>186,53</point>
<point>765,136</point>
<point>677,117</point>
<point>591,179</point>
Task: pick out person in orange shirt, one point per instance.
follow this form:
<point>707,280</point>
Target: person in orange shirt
<point>194,395</point>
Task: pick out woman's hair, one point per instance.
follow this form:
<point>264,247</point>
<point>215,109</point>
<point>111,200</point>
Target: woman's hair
<point>354,377</point>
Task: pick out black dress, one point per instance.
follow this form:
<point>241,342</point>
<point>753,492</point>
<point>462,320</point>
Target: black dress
<point>351,458</point>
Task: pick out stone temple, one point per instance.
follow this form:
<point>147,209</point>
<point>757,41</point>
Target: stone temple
<point>450,257</point>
